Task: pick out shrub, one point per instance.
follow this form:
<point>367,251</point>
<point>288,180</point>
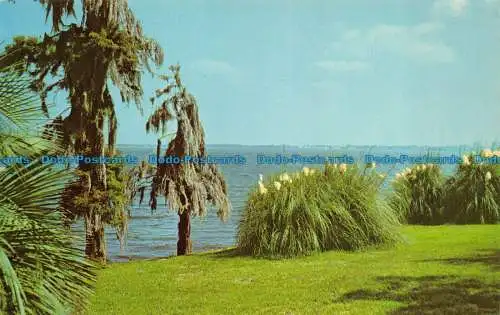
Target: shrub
<point>473,192</point>
<point>417,195</point>
<point>314,211</point>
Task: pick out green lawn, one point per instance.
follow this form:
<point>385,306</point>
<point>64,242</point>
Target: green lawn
<point>440,270</point>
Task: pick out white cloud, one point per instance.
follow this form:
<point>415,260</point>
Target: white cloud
<point>419,42</point>
<point>453,7</point>
<point>342,65</point>
<point>211,67</point>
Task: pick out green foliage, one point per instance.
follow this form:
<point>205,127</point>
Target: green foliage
<point>316,211</point>
<point>79,58</point>
<point>40,270</point>
<point>107,47</point>
<point>417,195</point>
<point>473,193</point>
<point>110,203</point>
<point>80,198</point>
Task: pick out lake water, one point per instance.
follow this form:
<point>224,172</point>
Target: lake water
<point>154,234</point>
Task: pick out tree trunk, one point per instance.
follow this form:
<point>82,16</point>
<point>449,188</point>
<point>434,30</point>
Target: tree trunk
<point>95,243</point>
<point>184,245</point>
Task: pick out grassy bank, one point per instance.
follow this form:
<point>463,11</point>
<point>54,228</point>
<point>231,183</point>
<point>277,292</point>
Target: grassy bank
<point>440,270</point>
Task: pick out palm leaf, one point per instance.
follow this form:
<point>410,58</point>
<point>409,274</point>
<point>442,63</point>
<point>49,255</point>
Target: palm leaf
<point>41,271</point>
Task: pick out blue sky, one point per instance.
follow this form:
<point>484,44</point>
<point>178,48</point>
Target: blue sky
<point>391,72</point>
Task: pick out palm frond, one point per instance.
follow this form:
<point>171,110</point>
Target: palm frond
<point>20,116</point>
<point>41,272</point>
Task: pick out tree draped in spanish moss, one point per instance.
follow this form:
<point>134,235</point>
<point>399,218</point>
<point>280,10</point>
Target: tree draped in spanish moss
<point>106,48</point>
<point>187,187</point>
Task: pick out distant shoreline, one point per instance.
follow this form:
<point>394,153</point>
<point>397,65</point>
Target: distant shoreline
<point>460,147</point>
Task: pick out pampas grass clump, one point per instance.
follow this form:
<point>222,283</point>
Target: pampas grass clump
<point>315,210</point>
<point>473,192</point>
<point>417,195</point>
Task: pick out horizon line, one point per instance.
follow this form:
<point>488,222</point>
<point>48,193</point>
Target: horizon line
<point>323,145</point>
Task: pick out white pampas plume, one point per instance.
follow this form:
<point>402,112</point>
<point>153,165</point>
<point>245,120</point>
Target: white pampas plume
<point>343,167</point>
<point>487,176</point>
<point>277,185</point>
<point>465,160</point>
<point>262,188</point>
<point>305,170</point>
